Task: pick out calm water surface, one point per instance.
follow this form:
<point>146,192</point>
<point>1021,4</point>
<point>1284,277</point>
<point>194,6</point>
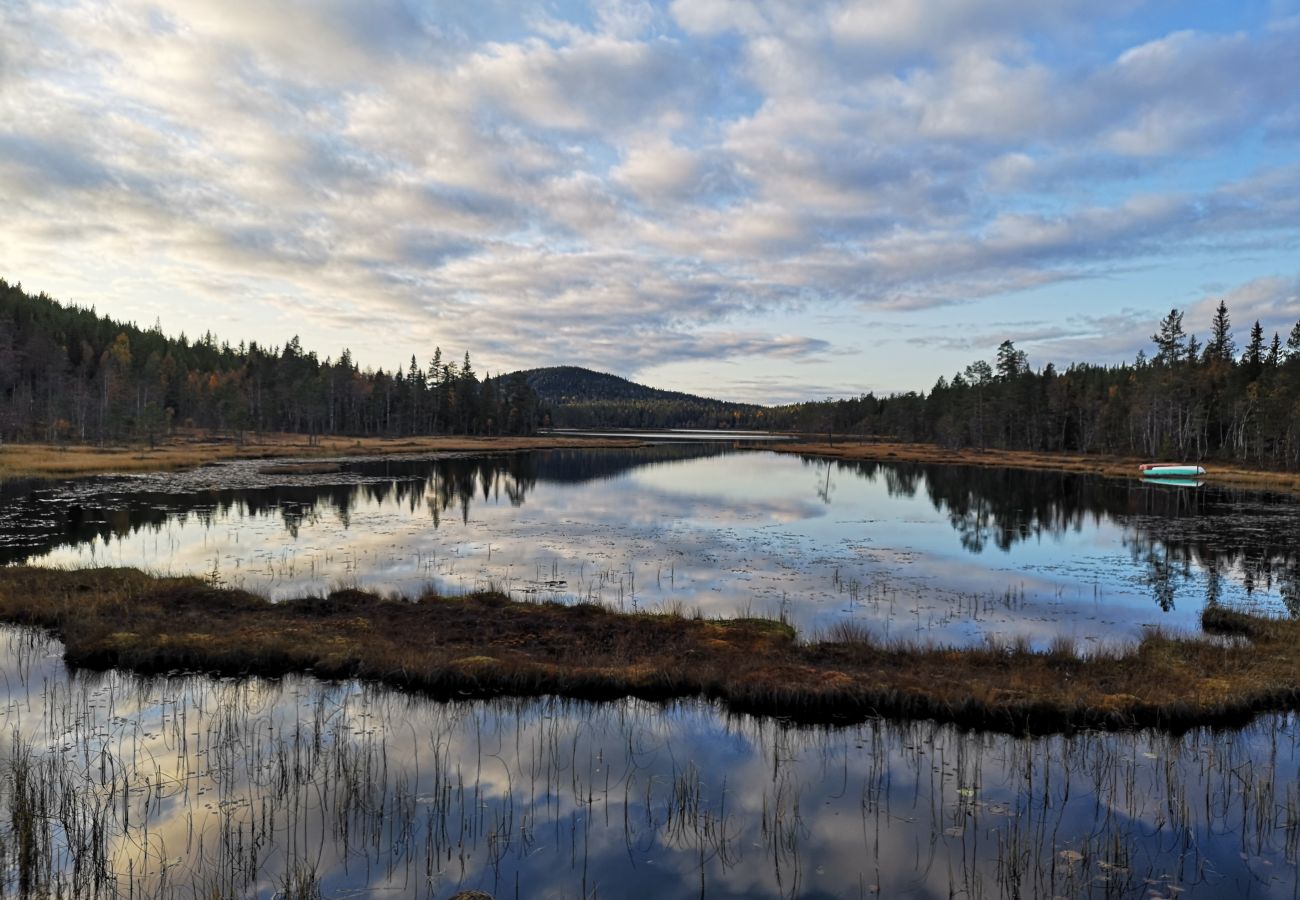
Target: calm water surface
<point>190,786</point>
<point>919,552</point>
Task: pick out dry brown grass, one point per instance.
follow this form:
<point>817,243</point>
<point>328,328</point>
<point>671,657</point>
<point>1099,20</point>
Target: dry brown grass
<point>1110,466</point>
<point>484,645</point>
<point>186,450</point>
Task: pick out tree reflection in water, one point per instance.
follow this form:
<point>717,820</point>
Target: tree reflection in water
<point>740,530</point>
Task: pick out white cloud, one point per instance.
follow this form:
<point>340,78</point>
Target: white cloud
<point>1273,301</point>
<point>674,174</point>
<point>658,168</point>
<point>712,17</point>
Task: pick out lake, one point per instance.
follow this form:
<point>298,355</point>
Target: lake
<point>926,553</point>
<point>186,785</point>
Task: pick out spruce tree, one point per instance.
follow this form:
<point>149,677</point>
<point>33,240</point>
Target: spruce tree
<point>1253,358</point>
<point>1221,346</point>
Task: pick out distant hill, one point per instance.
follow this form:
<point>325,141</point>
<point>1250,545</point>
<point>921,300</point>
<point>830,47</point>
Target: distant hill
<point>576,397</point>
<point>574,384</point>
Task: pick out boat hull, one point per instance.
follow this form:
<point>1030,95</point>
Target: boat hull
<point>1174,482</point>
<point>1172,471</point>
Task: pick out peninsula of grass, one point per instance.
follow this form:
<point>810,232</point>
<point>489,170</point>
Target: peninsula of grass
<point>188,449</point>
<point>850,448</point>
<point>484,645</point>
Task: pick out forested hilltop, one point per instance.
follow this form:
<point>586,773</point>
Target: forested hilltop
<point>67,373</point>
<point>1188,400</point>
<point>580,398</point>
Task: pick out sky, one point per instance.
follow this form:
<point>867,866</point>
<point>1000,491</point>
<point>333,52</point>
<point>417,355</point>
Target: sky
<point>753,200</point>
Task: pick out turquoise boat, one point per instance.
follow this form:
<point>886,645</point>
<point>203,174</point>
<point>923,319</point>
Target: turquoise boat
<point>1174,482</point>
<point>1170,470</point>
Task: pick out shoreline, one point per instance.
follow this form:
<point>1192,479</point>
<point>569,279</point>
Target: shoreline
<point>191,451</point>
<point>486,645</point>
<point>1106,466</point>
<point>185,451</point>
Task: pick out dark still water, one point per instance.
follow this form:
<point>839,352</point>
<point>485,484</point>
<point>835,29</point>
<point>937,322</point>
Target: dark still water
<point>196,787</point>
<point>918,552</point>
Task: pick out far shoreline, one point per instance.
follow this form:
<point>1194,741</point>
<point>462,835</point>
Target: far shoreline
<point>857,450</point>
<point>187,450</point>
<point>193,449</point>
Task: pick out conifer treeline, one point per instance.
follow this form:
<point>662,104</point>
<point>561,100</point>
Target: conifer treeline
<point>67,373</point>
<point>1188,400</point>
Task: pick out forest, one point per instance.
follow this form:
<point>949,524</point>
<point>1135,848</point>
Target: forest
<point>1189,400</point>
<point>70,374</point>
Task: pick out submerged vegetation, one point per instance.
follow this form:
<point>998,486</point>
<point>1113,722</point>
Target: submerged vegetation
<point>485,644</point>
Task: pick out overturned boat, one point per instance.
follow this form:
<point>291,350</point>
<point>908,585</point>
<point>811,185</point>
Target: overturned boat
<point>1170,470</point>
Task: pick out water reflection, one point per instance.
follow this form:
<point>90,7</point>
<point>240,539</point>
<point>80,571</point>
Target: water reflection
<point>37,515</point>
<point>1174,532</point>
<point>921,552</point>
<point>188,786</point>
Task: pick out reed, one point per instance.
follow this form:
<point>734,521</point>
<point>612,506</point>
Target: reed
<point>190,787</point>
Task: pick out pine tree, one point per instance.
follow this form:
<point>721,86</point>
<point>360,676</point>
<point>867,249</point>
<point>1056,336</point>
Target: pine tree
<point>1170,339</point>
<point>1010,362</point>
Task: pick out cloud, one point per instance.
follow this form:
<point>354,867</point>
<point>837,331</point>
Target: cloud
<point>1105,338</point>
<point>1117,337</point>
<point>713,17</point>
<point>1273,301</point>
<point>632,183</point>
<point>658,168</point>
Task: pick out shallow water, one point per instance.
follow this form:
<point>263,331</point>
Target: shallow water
<point>917,552</point>
<point>190,786</point>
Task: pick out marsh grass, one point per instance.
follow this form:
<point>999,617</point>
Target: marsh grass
<point>301,882</point>
<point>189,449</point>
<point>485,644</point>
